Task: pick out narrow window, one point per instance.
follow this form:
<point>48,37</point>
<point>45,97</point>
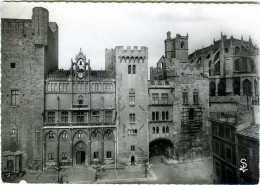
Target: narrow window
<point>157,116</point>
<point>163,115</point>
<point>185,98</point>
<point>80,116</point>
<point>153,116</point>
<point>157,130</point>
<point>247,88</point>
<point>80,134</point>
<point>134,69</point>
<point>196,97</point>
<point>132,147</point>
<point>80,100</point>
<point>14,97</point>
<point>51,117</point>
<point>129,69</point>
<point>132,98</point>
<point>167,130</point>
<point>108,116</point>
<point>95,116</point>
<point>132,118</point>
<point>167,115</point>
<point>64,116</point>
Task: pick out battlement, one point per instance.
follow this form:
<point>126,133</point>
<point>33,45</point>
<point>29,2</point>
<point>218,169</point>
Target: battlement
<point>16,26</point>
<point>128,50</point>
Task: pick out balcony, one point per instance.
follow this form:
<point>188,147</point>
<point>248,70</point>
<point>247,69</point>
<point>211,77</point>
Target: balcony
<point>71,124</point>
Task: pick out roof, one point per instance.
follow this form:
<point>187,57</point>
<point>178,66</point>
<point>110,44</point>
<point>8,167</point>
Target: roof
<point>59,74</point>
<point>252,132</point>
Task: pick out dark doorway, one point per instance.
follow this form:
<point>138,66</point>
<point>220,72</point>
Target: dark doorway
<point>222,88</point>
<point>160,147</point>
<point>80,157</point>
<point>191,114</point>
<point>133,160</point>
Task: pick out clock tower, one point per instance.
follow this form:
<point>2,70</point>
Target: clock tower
<point>81,67</point>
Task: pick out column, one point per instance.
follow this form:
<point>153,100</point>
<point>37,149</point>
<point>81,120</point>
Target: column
<point>241,86</point>
<point>216,91</point>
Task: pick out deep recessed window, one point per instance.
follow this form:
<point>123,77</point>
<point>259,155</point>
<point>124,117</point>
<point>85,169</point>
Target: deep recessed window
<point>109,154</point>
<point>12,65</point>
<point>51,117</point>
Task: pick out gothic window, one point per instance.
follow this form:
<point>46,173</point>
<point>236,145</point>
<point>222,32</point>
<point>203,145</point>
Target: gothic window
<point>163,129</point>
<point>129,69</point>
<point>104,87</point>
<point>164,98</point>
<point>237,50</point>
<point>134,69</point>
<point>64,135</point>
<point>167,130</point>
<point>185,97</point>
<point>132,97</point>
<point>236,87</point>
<point>191,115</point>
<point>51,117</point>
<point>96,87</point>
<point>196,97</point>
<point>95,116</point>
<point>52,87</point>
<point>56,87</point>
<point>155,98</point>
<point>153,116</point>
<point>182,44</point>
<point>163,115</point>
<point>99,87</point>
<point>157,116</point>
<point>167,115</point>
<point>217,68</point>
<point>212,89</point>
<point>80,100</point>
<point>157,130</point>
<point>132,118</point>
<point>108,116</point>
<point>247,88</point>
<point>80,116</point>
<point>64,116</point>
<point>49,87</point>
<point>95,134</point>
<point>14,97</point>
<point>51,135</point>
<point>109,134</point>
<point>80,134</point>
<point>222,88</point>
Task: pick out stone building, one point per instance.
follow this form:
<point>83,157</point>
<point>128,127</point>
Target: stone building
<point>178,105</point>
<point>29,52</point>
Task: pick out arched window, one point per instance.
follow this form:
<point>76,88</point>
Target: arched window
<point>163,129</point>
<point>237,50</point>
<point>80,100</point>
<point>163,115</point>
<point>236,87</point>
<point>132,97</point>
<point>51,135</point>
<point>222,88</point>
<point>157,116</point>
<point>191,114</point>
<point>153,130</point>
<point>247,88</point>
<point>52,87</point>
<point>129,69</point>
<point>157,130</point>
<point>56,87</point>
<point>153,116</point>
<point>212,89</point>
<point>80,134</point>
<point>49,87</point>
<point>109,134</point>
<point>256,88</point>
<point>182,44</point>
<point>134,69</point>
<point>217,68</point>
<point>167,129</point>
<point>167,115</point>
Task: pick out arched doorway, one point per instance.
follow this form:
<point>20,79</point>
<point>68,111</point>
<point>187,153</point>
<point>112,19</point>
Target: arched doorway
<point>80,153</point>
<point>161,146</point>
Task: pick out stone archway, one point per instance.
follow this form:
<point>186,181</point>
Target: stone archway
<point>80,153</point>
<point>161,146</point>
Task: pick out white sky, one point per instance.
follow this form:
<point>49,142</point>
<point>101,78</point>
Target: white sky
<point>96,26</point>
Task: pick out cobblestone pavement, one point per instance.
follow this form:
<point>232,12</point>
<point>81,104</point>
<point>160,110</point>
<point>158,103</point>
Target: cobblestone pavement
<point>187,173</point>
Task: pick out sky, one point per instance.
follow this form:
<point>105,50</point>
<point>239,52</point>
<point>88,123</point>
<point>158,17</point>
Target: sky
<point>96,26</point>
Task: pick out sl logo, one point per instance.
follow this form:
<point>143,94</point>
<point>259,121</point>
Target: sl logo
<point>243,165</point>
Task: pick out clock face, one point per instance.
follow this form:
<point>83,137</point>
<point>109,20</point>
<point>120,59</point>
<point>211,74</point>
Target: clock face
<point>80,75</point>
